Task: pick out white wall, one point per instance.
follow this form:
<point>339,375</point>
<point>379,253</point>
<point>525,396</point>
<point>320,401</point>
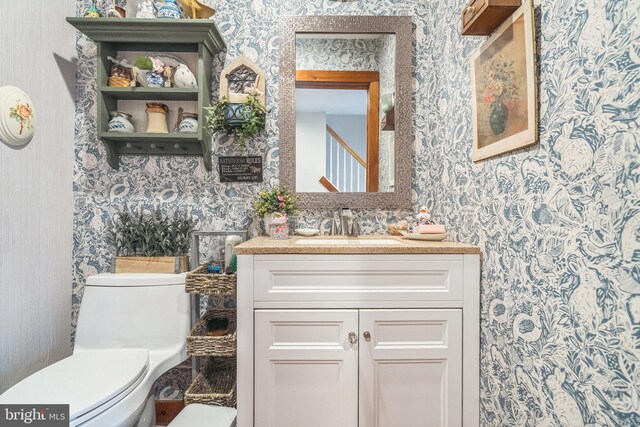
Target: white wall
<point>36,201</point>
<point>311,151</point>
<point>352,128</point>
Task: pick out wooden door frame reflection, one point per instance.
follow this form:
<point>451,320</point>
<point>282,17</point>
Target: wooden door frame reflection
<point>353,80</point>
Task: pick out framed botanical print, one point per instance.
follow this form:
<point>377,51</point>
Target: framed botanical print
<point>504,88</point>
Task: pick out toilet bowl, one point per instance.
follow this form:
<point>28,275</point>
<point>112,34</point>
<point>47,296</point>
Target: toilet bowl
<point>131,329</point>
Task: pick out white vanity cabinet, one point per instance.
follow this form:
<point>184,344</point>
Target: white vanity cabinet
<point>368,340</point>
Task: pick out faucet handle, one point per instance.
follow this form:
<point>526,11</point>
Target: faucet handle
<point>334,227</point>
<point>355,227</point>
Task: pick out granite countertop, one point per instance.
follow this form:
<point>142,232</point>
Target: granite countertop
<point>265,245</point>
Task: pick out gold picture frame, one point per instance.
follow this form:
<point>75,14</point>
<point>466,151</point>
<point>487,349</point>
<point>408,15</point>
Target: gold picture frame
<point>504,88</point>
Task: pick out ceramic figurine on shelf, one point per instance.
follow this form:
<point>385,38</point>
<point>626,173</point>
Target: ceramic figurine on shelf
<point>169,10</point>
<point>146,9</point>
<point>196,10</point>
<point>115,11</point>
<point>93,12</point>
<point>134,76</point>
<point>167,72</point>
<point>130,8</point>
<point>183,77</point>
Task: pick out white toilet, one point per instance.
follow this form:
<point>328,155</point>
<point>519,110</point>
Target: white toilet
<point>131,329</point>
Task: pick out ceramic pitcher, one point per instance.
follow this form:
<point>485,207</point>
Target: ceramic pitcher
<point>189,123</point>
<point>120,122</point>
<point>169,10</point>
<point>157,117</point>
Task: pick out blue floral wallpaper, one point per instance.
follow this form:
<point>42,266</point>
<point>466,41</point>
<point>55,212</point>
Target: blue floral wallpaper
<point>558,223</point>
<point>337,54</point>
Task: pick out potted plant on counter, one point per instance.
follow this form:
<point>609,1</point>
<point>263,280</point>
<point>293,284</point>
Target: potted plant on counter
<point>275,206</point>
<point>150,242</point>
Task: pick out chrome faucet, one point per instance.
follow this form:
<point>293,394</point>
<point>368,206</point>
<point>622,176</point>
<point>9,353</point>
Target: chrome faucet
<point>342,227</point>
<point>345,216</point>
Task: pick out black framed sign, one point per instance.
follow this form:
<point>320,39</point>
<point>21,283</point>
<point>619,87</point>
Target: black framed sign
<point>240,168</point>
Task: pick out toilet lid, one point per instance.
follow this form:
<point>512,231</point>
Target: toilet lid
<point>85,381</point>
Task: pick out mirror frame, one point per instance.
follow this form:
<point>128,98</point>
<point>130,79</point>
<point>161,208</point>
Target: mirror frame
<point>401,27</point>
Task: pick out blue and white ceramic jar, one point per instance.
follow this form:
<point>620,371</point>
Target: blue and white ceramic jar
<point>120,122</point>
<point>169,10</point>
<point>189,123</point>
<point>155,79</point>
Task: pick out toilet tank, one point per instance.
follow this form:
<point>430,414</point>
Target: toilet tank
<point>133,310</point>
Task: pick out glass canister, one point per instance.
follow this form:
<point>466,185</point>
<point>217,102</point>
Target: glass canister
<point>157,117</point>
<point>189,123</point>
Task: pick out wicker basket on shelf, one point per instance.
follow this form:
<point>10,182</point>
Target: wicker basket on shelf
<point>118,81</point>
<point>201,344</point>
<point>200,281</point>
<point>216,384</point>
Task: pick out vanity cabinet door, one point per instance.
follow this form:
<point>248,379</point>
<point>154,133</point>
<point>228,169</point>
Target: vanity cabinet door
<point>410,368</point>
<point>306,368</point>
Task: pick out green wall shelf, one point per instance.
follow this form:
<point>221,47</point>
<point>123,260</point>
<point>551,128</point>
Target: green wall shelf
<point>113,35</point>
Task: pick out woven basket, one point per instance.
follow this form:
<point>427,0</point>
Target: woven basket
<point>201,344</point>
<point>199,281</point>
<point>216,384</point>
<point>117,81</point>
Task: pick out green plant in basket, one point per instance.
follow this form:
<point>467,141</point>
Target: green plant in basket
<point>242,120</point>
<point>150,234</point>
<point>275,201</point>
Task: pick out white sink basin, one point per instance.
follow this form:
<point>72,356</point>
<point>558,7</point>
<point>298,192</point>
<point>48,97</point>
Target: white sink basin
<point>338,242</point>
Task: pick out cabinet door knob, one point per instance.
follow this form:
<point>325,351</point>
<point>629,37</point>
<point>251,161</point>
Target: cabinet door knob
<point>366,335</point>
<point>470,9</point>
<point>353,338</point>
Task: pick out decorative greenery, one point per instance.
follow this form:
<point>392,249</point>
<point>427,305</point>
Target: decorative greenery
<point>276,200</point>
<point>253,119</point>
<point>144,63</point>
<point>150,63</point>
<point>143,234</point>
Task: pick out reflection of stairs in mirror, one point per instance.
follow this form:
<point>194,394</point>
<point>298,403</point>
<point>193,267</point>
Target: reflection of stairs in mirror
<point>328,185</point>
<point>346,171</point>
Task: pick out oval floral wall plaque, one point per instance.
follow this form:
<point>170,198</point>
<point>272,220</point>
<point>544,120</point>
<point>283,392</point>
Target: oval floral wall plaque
<point>17,116</point>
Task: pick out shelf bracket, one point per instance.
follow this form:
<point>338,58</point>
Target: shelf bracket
<point>112,155</point>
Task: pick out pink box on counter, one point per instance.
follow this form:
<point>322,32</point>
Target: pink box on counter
<point>431,229</point>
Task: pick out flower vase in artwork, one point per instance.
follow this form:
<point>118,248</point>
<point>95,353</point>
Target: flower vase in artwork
<point>498,118</point>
